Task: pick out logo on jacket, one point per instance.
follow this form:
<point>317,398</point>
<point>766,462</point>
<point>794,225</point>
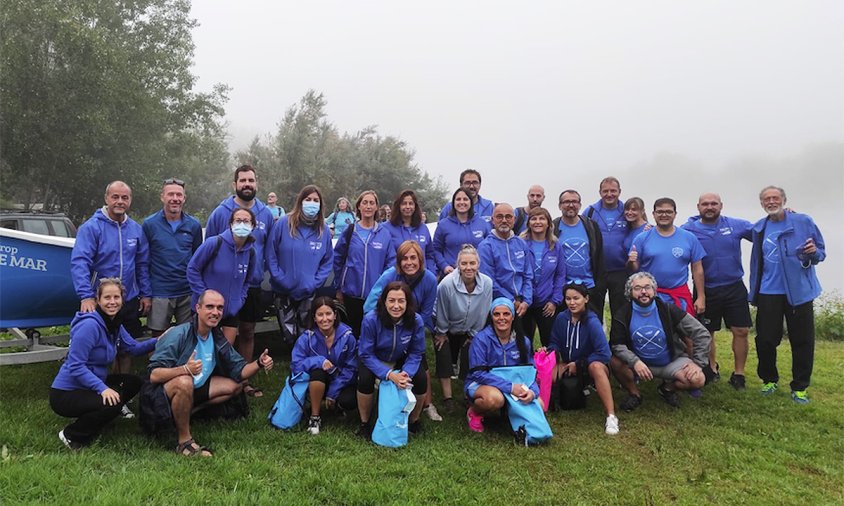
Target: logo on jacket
<point>677,252</point>
<point>131,242</point>
<point>377,245</point>
<point>479,234</point>
<point>726,231</point>
<point>405,338</point>
<point>316,245</point>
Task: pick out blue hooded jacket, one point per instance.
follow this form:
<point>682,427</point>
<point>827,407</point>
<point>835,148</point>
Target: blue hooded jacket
<point>298,265</point>
<point>550,278</point>
<point>219,220</point>
<point>576,341</point>
<point>92,351</point>
<point>722,243</point>
<point>424,291</point>
<point>421,235</point>
<point>224,270</point>
<point>107,249</point>
<point>483,209</point>
<point>487,351</point>
<point>801,281</point>
<point>170,252</point>
<point>358,264</point>
<point>451,235</point>
<point>310,352</point>
<point>508,263</point>
<point>379,344</point>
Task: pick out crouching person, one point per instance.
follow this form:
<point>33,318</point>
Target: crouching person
<point>328,353</point>
<point>647,339</point>
<point>181,372</point>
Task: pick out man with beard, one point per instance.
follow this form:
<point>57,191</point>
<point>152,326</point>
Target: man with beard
<point>112,245</point>
<point>173,237</point>
<point>647,342</point>
<point>470,181</point>
<point>726,295</point>
<point>783,284</point>
<point>535,196</point>
<point>504,258</point>
<point>246,187</point>
<point>583,248</point>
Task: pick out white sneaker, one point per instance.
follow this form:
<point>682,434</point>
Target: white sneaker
<point>73,445</point>
<point>432,413</point>
<point>313,425</point>
<point>612,425</point>
<point>125,412</point>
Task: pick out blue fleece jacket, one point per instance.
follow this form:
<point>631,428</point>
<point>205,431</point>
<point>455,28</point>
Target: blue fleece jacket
<point>451,235</point>
<point>487,351</point>
<point>107,249</point>
<point>298,265</point>
<point>379,344</point>
<point>170,252</point>
<point>483,209</point>
<point>421,235</point>
<point>613,232</point>
<point>310,352</point>
<point>722,243</point>
<point>219,220</point>
<point>574,341</point>
<point>424,291</point>
<point>550,278</point>
<point>801,281</point>
<point>92,351</point>
<point>359,263</point>
<point>509,263</point>
<point>223,269</point>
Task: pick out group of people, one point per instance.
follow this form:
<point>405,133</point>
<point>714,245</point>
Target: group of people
<point>490,278</point>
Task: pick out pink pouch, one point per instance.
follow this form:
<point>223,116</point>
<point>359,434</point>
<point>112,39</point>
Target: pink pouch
<point>544,363</point>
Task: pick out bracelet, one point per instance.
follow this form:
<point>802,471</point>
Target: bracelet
<point>187,371</point>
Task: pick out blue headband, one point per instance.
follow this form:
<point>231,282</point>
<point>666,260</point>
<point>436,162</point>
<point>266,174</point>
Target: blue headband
<point>503,301</point>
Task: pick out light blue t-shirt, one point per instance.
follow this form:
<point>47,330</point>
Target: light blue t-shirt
<point>576,252</point>
<point>668,258</point>
<point>204,352</point>
<point>772,276</point>
<point>650,343</point>
<point>538,248</point>
<point>362,232</point>
<point>174,225</point>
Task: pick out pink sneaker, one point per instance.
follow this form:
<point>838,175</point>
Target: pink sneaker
<point>476,421</point>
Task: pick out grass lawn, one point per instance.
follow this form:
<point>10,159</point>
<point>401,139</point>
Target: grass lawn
<point>727,448</point>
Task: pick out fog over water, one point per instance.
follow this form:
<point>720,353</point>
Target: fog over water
<point>673,98</point>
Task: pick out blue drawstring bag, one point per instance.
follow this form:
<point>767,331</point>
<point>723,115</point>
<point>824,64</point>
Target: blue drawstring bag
<point>527,420</point>
<point>287,410</point>
<point>394,407</point>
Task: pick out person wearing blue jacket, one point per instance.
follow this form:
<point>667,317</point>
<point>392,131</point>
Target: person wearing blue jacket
<point>470,182</point>
<point>405,224</point>
<point>497,345</point>
<point>581,348</point>
<point>328,353</point>
<point>83,389</point>
<point>726,294</point>
<point>460,226</point>
<point>173,236</point>
<point>222,263</point>
<point>783,283</point>
<point>391,348</point>
<point>506,260</point>
<point>549,274</point>
<point>361,255</point>
<point>299,258</point>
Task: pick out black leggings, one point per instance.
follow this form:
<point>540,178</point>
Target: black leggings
<point>346,398</point>
<point>534,319</point>
<point>453,351</point>
<point>366,380</point>
<point>88,408</point>
<point>354,313</point>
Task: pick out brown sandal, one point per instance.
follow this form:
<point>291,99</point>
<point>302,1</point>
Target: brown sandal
<point>190,449</point>
<point>252,391</point>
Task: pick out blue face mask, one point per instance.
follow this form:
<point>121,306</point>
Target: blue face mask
<point>241,230</point>
<point>310,209</point>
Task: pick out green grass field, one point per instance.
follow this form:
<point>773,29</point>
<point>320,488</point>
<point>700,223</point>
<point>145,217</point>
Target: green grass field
<point>727,448</point>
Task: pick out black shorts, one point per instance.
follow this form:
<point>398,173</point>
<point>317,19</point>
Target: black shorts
<point>252,309</point>
<point>130,312</point>
<point>728,303</point>
<point>202,394</point>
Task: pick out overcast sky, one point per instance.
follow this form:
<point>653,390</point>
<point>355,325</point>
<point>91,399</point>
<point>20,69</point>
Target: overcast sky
<point>559,93</point>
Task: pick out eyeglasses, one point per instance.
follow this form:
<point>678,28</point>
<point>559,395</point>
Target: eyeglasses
<point>471,183</point>
<point>642,288</point>
<point>173,180</point>
<point>664,212</point>
<point>569,202</point>
<point>503,216</point>
<point>246,221</point>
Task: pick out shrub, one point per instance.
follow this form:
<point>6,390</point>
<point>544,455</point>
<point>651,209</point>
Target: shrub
<point>829,317</point>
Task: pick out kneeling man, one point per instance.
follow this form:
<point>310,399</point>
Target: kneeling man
<point>185,360</point>
<point>647,339</point>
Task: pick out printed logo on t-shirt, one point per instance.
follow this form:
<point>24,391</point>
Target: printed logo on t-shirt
<point>769,247</point>
<point>649,341</point>
<point>577,252</point>
<point>677,252</point>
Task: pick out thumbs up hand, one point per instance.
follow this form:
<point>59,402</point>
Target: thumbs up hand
<point>633,256</point>
<point>265,361</point>
<point>193,365</point>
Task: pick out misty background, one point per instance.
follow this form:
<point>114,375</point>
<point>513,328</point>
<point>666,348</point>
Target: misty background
<point>674,99</point>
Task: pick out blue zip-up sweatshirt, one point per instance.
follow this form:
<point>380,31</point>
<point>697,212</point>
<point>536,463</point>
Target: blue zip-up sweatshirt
<point>218,222</point>
<point>451,235</point>
<point>487,351</point>
<point>225,272</point>
<point>483,209</point>
<point>175,347</point>
<point>424,291</point>
<point>379,344</point>
<point>298,265</point>
<point>722,243</point>
<point>310,352</point>
<point>170,252</point>
<point>421,235</point>
<point>92,351</point>
<point>364,260</point>
<point>107,249</point>
<point>508,263</point>
<point>550,278</point>
<point>801,281</point>
<point>615,256</point>
<point>583,339</point>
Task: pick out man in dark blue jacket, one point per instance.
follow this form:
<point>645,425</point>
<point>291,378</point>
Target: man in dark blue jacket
<point>470,181</point>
